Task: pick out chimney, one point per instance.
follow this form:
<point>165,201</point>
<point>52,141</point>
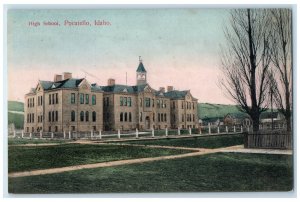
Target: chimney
<point>111,82</point>
<point>170,88</point>
<point>57,77</point>
<point>67,75</point>
<point>162,89</point>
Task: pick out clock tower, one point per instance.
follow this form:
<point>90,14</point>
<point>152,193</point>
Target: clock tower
<point>141,73</point>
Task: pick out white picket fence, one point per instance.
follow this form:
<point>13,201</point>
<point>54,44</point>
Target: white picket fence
<point>209,130</point>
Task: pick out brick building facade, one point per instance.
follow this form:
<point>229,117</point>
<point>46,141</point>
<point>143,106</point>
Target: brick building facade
<point>69,104</point>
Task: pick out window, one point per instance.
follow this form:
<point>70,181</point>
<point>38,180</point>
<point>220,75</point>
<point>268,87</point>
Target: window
<point>161,117</point>
<point>121,101</point>
<point>49,116</point>
<point>93,99</point>
<point>73,115</point>
<point>141,117</point>
<point>41,100</point>
<point>125,116</point>
<point>153,103</point>
<point>157,103</point>
<point>86,116</point>
<point>32,118</point>
<point>129,102</point>
<point>56,98</point>
<point>94,116</point>
<point>72,98</point>
<point>130,117</point>
<point>165,117</point>
<point>56,116</point>
<point>53,99</point>
<point>147,102</point>
<point>87,98</point>
<point>49,128</point>
<point>32,102</point>
<point>81,116</point>
<point>182,104</point>
<point>193,105</point>
<point>50,99</point>
<point>28,102</point>
<point>193,117</point>
<point>121,116</point>
<point>141,102</point>
<point>125,101</point>
<point>53,116</point>
<point>158,117</point>
<point>107,100</point>
<point>81,98</point>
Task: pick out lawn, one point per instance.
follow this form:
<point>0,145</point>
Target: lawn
<point>19,141</point>
<point>212,172</point>
<point>196,142</point>
<point>34,158</point>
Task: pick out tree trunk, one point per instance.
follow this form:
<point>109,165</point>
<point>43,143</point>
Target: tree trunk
<point>255,120</point>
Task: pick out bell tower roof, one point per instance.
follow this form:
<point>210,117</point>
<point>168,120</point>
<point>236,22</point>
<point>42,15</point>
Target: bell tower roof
<point>141,67</point>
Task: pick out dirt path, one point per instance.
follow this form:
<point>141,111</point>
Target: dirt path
<point>241,149</point>
<point>201,151</point>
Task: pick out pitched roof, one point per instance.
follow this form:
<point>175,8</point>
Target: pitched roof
<point>176,94</point>
<point>124,88</point>
<point>141,68</point>
<point>268,115</point>
<point>238,115</point>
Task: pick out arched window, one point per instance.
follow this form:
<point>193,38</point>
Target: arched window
<point>121,116</point>
<point>53,114</point>
<point>56,116</point>
<point>94,116</point>
<point>86,116</point>
<point>130,117</point>
<point>81,116</point>
<point>73,116</point>
<point>125,116</point>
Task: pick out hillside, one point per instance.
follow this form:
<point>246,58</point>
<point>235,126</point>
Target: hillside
<point>216,110</point>
<point>15,106</point>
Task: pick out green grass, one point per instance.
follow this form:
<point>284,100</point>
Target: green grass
<point>196,142</point>
<point>215,110</point>
<point>17,119</point>
<point>15,106</point>
<point>212,172</point>
<point>18,141</point>
<point>34,158</point>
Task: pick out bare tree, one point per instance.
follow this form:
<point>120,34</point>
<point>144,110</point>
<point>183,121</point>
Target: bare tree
<point>245,61</point>
<point>282,60</point>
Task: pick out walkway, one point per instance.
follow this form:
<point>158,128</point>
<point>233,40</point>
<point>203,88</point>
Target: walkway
<point>201,151</point>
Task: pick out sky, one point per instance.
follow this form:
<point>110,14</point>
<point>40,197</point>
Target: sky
<point>179,47</point>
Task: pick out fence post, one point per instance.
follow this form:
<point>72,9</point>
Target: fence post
<point>30,135</point>
<point>52,135</point>
<point>14,134</point>
<point>69,134</point>
<point>178,131</point>
<point>248,129</point>
<point>234,129</point>
<point>152,132</point>
<point>41,135</point>
<point>119,134</point>
<point>209,131</point>
<point>226,129</point>
<point>190,130</point>
<point>200,131</point>
<point>136,133</point>
<point>100,135</point>
<point>22,134</point>
<point>91,134</point>
<point>241,129</point>
<point>218,130</point>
